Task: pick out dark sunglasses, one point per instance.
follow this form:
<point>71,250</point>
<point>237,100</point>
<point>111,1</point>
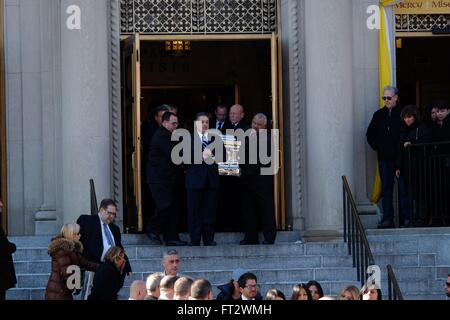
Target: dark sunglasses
<point>447,284</point>
<point>387,98</point>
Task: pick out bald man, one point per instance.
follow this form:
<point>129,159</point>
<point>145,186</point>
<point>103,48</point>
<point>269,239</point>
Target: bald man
<point>237,114</point>
<point>138,291</point>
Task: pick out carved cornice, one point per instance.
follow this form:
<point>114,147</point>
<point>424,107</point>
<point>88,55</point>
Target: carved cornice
<point>297,106</point>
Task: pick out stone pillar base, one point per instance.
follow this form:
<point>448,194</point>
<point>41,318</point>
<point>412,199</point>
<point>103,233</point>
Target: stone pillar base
<point>322,235</point>
<point>45,223</point>
<point>370,215</point>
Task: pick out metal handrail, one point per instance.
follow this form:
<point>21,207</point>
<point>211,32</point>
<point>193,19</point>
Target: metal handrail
<point>394,291</point>
<point>93,195</point>
<point>358,245</point>
<point>355,234</point>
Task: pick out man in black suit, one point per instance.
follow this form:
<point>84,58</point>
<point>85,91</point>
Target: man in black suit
<point>98,234</point>
<point>230,213</point>
<point>202,184</point>
<point>220,121</point>
<point>162,176</point>
<point>237,114</point>
<point>258,186</point>
<point>148,129</point>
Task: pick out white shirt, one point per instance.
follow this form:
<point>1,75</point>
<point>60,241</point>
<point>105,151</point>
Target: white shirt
<point>202,134</point>
<point>245,298</point>
<point>106,246</point>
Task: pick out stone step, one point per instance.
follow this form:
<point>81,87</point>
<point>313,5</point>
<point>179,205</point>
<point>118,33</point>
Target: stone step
<point>406,260</point>
<point>200,263</point>
<point>142,239</point>
<point>225,251</point>
<point>39,280</point>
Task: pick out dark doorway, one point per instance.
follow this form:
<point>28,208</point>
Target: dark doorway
<point>211,73</point>
<point>423,70</point>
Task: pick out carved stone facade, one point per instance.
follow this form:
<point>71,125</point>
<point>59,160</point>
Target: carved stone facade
<point>198,16</point>
<point>64,105</point>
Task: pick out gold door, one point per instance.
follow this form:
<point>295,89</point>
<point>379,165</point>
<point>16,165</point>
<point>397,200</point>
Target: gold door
<point>131,122</point>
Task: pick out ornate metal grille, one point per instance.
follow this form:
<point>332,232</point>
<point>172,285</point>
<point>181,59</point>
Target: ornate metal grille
<point>421,22</point>
<point>198,16</point>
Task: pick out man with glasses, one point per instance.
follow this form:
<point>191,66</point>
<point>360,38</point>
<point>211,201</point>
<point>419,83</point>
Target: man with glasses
<point>98,235</point>
<point>249,287</point>
<point>383,136</point>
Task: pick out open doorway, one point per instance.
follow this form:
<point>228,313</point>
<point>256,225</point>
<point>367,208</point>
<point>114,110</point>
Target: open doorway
<point>213,71</point>
<point>423,69</point>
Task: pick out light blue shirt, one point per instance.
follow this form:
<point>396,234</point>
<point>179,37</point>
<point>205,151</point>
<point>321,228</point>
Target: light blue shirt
<point>106,246</point>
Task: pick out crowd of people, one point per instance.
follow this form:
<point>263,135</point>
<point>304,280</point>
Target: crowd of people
<point>206,192</point>
<point>392,130</point>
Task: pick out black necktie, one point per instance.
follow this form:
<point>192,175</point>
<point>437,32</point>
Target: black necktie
<point>219,126</point>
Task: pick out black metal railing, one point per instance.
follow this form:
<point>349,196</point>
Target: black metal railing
<point>427,175</point>
<point>358,244</point>
<point>93,196</point>
<point>355,235</point>
<point>394,292</point>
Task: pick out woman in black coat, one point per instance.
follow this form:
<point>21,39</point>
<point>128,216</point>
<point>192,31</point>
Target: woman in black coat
<point>108,278</point>
<point>7,273</point>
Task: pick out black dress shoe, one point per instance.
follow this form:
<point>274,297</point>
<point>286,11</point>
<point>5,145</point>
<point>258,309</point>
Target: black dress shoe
<point>194,244</point>
<point>387,224</point>
<point>246,242</point>
<point>268,242</point>
<point>154,239</point>
<point>210,243</point>
<point>175,243</point>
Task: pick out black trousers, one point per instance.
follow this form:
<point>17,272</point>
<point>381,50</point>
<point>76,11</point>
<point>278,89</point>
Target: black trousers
<point>202,206</point>
<point>2,295</point>
<point>259,206</point>
<point>165,219</point>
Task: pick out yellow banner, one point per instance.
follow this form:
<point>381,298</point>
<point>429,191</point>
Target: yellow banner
<point>423,7</point>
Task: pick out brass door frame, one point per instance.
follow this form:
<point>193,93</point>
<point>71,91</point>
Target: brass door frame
<point>277,106</point>
<point>136,121</point>
<point>3,122</point>
<point>137,167</point>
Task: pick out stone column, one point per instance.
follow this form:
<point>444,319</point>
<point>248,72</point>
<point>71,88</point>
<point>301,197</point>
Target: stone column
<point>85,120</point>
<point>329,114</point>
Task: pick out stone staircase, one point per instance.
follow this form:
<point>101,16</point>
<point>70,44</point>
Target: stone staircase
<point>418,256</point>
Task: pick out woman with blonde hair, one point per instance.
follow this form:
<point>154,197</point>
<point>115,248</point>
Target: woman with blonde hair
<point>349,293</point>
<point>65,250</point>
<point>108,278</point>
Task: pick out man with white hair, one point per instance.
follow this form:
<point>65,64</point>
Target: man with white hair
<point>259,203</point>
<point>137,290</point>
<point>152,285</point>
<point>383,136</point>
<point>236,116</point>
